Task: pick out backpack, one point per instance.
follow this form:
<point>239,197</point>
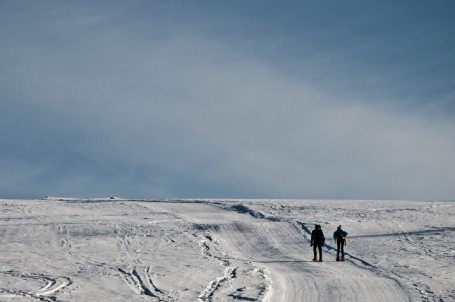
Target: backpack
<point>340,234</point>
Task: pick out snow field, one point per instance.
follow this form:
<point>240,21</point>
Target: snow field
<point>224,250</point>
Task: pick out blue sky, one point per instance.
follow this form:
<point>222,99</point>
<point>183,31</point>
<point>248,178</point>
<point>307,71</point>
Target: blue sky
<point>227,99</point>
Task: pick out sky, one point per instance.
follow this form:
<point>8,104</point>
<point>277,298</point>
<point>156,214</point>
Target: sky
<point>227,99</point>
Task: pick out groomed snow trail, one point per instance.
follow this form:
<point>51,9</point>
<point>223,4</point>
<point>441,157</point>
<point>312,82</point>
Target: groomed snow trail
<point>294,277</point>
<point>282,250</point>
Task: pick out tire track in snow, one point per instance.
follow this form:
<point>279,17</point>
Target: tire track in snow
<point>229,273</point>
<point>52,285</point>
<point>143,285</point>
<point>230,284</point>
<point>207,294</point>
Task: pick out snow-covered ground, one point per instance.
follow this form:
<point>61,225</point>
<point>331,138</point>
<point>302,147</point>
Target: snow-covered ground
<point>61,249</point>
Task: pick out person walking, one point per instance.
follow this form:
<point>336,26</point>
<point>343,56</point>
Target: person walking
<point>317,241</point>
<point>339,236</point>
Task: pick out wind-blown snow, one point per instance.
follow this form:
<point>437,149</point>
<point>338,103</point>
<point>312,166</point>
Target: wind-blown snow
<point>61,249</point>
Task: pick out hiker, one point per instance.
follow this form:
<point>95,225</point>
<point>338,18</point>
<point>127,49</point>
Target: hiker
<point>339,236</point>
<point>317,241</point>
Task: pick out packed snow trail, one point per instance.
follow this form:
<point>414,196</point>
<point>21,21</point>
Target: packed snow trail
<point>284,252</point>
<point>294,277</point>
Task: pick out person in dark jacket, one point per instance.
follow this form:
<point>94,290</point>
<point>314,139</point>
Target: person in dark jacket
<point>317,241</point>
<point>339,236</point>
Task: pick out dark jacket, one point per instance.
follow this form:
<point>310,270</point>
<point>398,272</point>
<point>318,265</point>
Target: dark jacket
<point>339,234</point>
<point>317,237</point>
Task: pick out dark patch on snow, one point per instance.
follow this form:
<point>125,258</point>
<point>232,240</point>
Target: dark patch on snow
<point>274,218</point>
<point>145,289</point>
<point>304,227</point>
<point>240,298</point>
<point>238,295</point>
<point>240,208</point>
<point>206,227</point>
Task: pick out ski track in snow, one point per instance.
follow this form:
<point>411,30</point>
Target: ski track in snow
<point>51,285</point>
<point>220,250</point>
<point>142,284</point>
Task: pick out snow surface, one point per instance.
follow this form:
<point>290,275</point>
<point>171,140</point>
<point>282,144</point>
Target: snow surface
<point>61,249</point>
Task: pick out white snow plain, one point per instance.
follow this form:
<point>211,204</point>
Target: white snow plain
<point>61,249</point>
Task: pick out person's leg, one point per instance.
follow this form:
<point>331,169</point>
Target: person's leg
<point>342,250</point>
<point>338,249</point>
<point>314,252</point>
<point>320,251</point>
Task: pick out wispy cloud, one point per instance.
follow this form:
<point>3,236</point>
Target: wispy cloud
<point>92,104</point>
